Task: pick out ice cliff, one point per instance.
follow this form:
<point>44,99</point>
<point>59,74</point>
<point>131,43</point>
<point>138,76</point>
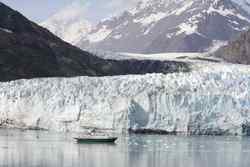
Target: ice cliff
<point>212,99</point>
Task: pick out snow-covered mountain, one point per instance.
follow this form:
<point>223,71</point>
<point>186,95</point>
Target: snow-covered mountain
<point>214,98</point>
<point>69,23</point>
<point>155,26</point>
<point>245,4</point>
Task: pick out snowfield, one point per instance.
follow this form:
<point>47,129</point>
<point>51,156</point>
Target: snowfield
<point>212,99</point>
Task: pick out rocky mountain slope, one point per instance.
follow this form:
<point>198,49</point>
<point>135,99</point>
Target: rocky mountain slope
<point>155,26</point>
<point>237,51</point>
<point>28,51</point>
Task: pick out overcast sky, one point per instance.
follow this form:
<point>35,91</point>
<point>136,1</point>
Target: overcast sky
<point>40,10</point>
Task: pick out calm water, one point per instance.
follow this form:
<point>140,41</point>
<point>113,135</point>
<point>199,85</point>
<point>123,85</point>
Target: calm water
<point>38,149</point>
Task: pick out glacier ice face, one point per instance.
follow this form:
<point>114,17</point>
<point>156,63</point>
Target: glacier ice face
<point>212,99</point>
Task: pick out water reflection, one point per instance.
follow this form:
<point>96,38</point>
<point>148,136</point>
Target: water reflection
<point>31,148</point>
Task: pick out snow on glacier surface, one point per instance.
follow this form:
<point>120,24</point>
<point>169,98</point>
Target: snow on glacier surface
<point>174,56</point>
<point>213,98</point>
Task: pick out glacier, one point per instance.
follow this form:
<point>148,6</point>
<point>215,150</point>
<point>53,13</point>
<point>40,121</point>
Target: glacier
<point>214,98</point>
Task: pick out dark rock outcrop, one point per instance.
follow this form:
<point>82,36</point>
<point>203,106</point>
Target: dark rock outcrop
<point>237,51</point>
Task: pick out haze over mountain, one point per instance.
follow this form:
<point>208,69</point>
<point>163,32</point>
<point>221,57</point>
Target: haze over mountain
<point>69,23</point>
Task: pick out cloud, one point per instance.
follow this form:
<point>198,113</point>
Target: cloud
<point>99,9</point>
<point>95,10</point>
<point>121,4</point>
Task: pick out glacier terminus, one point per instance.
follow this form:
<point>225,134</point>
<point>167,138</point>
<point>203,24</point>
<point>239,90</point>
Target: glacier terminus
<point>212,99</point>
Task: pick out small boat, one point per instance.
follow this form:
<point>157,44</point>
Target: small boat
<point>96,139</point>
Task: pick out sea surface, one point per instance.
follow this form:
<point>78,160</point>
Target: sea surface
<point>50,149</point>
